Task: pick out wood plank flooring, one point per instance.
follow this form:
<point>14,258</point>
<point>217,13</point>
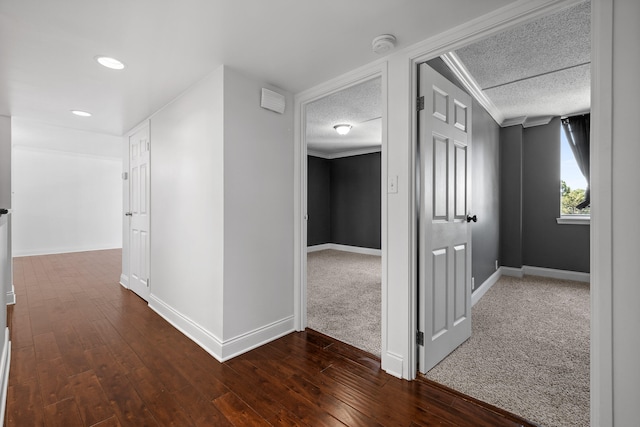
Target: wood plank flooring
<point>86,352</point>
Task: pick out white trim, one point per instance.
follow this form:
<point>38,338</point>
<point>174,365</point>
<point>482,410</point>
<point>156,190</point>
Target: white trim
<point>479,293</point>
<point>198,334</point>
<point>55,251</point>
<point>601,214</point>
<point>5,364</point>
<point>348,153</point>
<point>464,76</point>
<point>344,248</point>
<point>222,350</point>
<point>514,121</point>
<point>11,296</point>
<point>556,274</point>
<point>124,281</point>
<point>512,272</point>
<point>553,273</point>
<point>574,220</point>
<point>393,365</point>
<point>530,122</point>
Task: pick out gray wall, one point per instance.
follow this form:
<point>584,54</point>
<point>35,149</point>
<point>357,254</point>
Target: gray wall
<point>530,190</point>
<point>485,202</point>
<point>356,201</point>
<point>344,197</point>
<point>318,200</point>
<point>546,243</point>
<point>511,196</point>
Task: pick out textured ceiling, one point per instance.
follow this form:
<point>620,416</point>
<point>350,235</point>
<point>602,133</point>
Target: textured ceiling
<point>358,106</point>
<point>541,68</point>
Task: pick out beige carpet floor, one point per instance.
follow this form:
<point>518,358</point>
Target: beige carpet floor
<point>529,351</point>
<point>344,297</point>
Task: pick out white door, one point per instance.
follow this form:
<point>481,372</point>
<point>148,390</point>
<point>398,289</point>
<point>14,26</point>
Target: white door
<point>444,234</point>
<point>139,145</point>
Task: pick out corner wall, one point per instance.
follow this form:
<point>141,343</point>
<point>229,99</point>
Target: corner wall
<point>530,187</point>
<point>221,195</point>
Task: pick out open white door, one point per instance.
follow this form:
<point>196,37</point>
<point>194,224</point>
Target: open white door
<point>444,289</point>
<point>139,145</point>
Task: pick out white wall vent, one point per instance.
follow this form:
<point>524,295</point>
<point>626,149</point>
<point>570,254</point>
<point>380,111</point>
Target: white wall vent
<point>272,101</point>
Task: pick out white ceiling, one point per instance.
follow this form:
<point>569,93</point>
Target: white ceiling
<point>47,48</point>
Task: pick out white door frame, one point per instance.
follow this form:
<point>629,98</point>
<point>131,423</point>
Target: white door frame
<point>301,101</point>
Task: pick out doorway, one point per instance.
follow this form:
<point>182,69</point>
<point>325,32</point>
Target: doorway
<point>342,254</point>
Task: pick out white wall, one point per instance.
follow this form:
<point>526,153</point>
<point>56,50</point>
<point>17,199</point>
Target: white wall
<point>67,194</point>
<point>258,179</point>
<point>186,258</point>
<point>221,197</point>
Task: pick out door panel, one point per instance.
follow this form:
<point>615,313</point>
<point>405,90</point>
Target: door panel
<point>444,235</point>
<point>139,145</point>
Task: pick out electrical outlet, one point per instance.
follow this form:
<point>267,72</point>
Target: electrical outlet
<point>473,283</point>
<point>392,185</point>
<point>496,265</point>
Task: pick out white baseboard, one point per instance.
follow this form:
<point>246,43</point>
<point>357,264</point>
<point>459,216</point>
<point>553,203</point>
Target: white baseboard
<point>392,364</point>
<point>512,271</point>
<point>5,364</point>
<point>124,281</point>
<point>222,350</point>
<point>557,274</point>
<point>344,248</point>
<point>55,251</point>
<point>11,296</point>
<point>479,293</point>
<point>527,270</point>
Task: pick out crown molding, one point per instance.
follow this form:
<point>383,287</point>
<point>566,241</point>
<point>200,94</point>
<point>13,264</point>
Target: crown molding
<point>340,154</point>
<point>471,85</point>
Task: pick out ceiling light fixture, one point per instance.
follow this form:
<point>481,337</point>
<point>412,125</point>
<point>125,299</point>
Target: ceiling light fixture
<point>108,62</point>
<point>383,44</point>
<point>81,113</point>
<point>342,129</point>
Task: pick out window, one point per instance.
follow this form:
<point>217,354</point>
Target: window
<point>572,186</point>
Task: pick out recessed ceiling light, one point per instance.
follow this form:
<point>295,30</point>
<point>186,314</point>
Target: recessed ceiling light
<point>342,129</point>
<point>81,113</point>
<point>108,62</point>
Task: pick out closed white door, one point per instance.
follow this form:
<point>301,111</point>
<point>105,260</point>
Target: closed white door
<point>444,232</point>
<point>139,146</point>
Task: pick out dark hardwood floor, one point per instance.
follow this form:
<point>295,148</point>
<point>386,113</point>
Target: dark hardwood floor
<point>86,352</point>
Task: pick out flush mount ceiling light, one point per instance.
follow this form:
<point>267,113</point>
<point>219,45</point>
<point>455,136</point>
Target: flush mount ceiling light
<point>81,113</point>
<point>342,129</point>
<point>383,44</point>
<point>108,62</point>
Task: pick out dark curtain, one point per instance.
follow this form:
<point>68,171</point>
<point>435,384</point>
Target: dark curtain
<point>577,130</point>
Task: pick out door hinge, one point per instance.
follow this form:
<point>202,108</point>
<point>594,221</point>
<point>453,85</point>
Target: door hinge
<point>420,338</point>
<point>148,145</point>
<point>420,103</point>
<point>147,283</point>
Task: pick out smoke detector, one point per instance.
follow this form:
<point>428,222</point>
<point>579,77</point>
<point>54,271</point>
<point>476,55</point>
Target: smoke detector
<point>383,44</point>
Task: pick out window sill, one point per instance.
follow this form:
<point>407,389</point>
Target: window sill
<point>574,220</point>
